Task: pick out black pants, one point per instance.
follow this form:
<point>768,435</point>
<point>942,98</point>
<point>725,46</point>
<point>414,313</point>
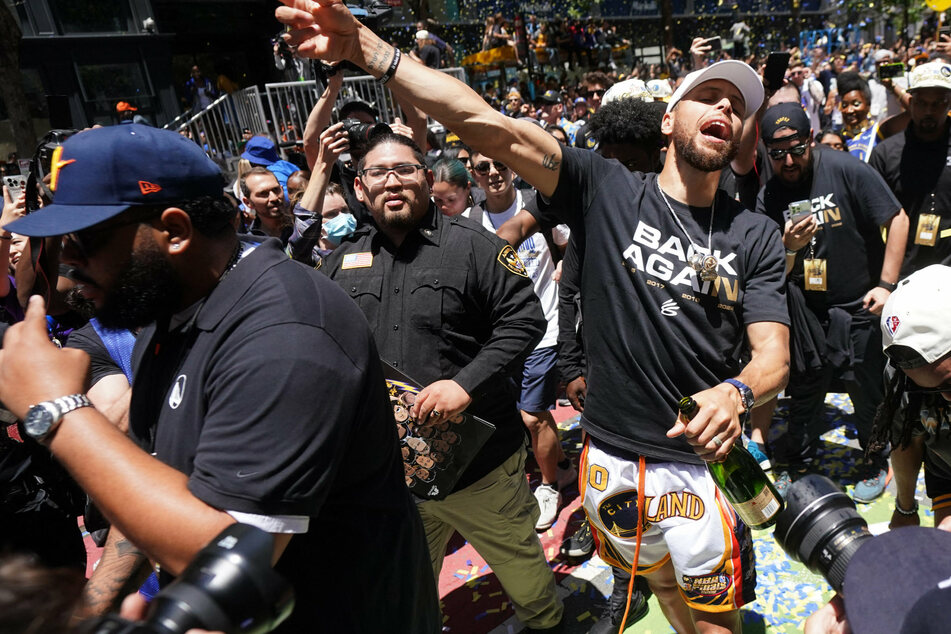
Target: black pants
<point>807,392</point>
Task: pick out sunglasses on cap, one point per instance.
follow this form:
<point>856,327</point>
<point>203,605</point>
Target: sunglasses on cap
<point>797,150</point>
<point>482,167</point>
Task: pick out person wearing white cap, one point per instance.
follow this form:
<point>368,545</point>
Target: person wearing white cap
<point>916,416</point>
<point>426,51</point>
<point>675,275</point>
<point>915,166</point>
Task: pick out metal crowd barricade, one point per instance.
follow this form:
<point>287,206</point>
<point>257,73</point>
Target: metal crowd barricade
<point>290,102</point>
<point>218,129</point>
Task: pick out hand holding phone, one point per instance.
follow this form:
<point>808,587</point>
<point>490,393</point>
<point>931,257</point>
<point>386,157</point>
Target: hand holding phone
<point>775,71</point>
<point>15,185</point>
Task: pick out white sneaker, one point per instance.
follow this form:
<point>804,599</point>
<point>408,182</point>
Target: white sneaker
<point>549,500</point>
<point>567,478</point>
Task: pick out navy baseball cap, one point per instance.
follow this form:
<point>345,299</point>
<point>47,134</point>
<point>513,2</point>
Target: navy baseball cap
<point>260,150</point>
<point>785,115</point>
<point>100,173</point>
<point>900,583</point>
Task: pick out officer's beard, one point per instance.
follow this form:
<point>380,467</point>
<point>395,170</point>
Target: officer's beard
<point>147,289</point>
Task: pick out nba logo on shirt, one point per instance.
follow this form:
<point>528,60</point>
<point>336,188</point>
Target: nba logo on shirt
<point>892,324</point>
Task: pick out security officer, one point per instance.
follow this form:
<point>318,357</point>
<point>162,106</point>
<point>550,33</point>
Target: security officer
<point>452,306</point>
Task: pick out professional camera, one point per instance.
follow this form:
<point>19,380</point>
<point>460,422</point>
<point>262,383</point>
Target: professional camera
<point>360,133</point>
<point>229,586</point>
<point>821,528</point>
<point>41,165</point>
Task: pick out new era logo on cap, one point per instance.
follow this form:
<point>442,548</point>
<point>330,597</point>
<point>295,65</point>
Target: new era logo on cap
<point>148,188</point>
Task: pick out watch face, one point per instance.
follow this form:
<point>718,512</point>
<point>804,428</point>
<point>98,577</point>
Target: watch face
<point>38,421</point>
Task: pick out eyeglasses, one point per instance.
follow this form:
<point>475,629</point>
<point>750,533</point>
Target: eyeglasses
<point>403,171</point>
<point>482,167</point>
<point>89,241</point>
<point>797,150</point>
<point>595,93</point>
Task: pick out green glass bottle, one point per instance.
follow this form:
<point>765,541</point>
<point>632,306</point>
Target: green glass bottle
<point>742,481</point>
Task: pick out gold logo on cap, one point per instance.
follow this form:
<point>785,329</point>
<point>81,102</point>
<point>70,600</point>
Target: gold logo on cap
<point>57,164</point>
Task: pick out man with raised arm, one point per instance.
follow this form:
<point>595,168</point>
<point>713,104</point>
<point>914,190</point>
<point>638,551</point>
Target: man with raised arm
<point>675,277</point>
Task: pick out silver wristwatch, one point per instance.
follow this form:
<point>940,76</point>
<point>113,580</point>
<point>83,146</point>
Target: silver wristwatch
<point>43,418</point>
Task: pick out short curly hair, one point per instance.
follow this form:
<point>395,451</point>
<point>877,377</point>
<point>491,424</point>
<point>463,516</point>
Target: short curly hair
<point>628,121</point>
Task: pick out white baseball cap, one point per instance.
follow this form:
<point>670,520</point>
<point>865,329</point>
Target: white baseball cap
<point>627,89</point>
<point>930,75</point>
<point>916,330</point>
<point>737,73</point>
<point>422,35</point>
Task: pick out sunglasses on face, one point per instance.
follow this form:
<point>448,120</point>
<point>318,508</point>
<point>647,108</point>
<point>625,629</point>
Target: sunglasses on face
<point>482,167</point>
<point>797,150</point>
<point>595,93</point>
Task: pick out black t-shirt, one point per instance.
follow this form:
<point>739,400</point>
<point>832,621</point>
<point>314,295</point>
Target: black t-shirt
<point>653,332</point>
<point>101,364</point>
<point>914,170</point>
<point>851,202</point>
<point>271,399</point>
<point>429,55</point>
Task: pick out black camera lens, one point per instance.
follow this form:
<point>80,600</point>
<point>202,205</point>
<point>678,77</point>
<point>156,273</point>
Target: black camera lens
<point>821,528</point>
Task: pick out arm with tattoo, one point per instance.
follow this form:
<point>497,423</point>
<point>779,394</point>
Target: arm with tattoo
<point>121,570</point>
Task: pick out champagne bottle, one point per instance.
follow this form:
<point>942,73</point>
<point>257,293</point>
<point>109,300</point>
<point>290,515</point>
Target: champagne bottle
<point>742,481</point>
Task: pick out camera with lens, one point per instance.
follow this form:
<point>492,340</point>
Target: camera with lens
<point>229,586</point>
<point>821,528</point>
<point>359,135</point>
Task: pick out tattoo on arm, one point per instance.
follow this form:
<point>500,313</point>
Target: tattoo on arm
<point>376,61</point>
<point>121,571</point>
<point>550,162</point>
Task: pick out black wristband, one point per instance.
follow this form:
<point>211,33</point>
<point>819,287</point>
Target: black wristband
<point>388,75</point>
<point>888,286</point>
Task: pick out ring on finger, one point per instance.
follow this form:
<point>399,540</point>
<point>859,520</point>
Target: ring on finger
<point>435,414</point>
<point>717,441</point>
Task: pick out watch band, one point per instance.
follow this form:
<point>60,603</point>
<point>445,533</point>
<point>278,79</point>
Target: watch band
<point>71,402</point>
<point>746,394</point>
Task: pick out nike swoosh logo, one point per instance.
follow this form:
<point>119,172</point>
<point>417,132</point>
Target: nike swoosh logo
<point>241,474</point>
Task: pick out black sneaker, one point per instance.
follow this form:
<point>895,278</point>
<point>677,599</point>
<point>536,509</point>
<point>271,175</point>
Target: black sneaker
<point>610,621</point>
<point>581,544</point>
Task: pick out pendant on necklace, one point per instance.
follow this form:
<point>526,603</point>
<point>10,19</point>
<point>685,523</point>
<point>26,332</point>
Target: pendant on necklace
<point>705,266</point>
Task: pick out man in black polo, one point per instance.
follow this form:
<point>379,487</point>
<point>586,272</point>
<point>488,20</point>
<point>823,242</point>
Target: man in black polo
<point>257,387</point>
<point>845,272</point>
<point>452,306</point>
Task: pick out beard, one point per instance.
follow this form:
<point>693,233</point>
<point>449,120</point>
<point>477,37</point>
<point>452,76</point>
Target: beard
<point>147,288</point>
<point>705,160</point>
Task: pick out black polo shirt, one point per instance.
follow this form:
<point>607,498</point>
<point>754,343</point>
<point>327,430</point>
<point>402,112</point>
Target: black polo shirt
<point>271,398</point>
<point>448,304</point>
